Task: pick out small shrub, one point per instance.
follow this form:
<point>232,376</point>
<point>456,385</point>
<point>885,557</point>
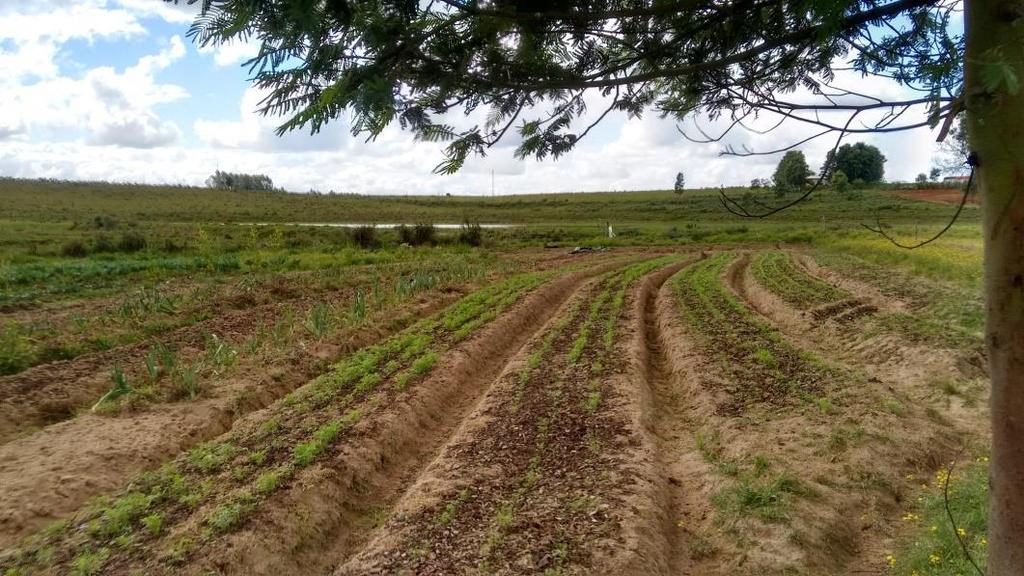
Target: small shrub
<point>365,236</point>
<point>74,249</point>
<point>470,234</point>
<point>15,349</point>
<point>153,523</point>
<point>102,243</point>
<point>416,235</point>
<point>132,242</point>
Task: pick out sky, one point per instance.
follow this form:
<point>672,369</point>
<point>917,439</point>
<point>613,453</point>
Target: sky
<point>114,90</point>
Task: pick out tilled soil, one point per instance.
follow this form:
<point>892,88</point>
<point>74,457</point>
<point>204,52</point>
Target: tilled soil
<point>664,416</point>
<point>61,466</point>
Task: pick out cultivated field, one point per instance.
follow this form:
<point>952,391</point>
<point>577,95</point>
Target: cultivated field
<point>186,394</point>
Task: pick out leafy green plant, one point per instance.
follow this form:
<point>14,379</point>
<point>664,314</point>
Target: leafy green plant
<point>320,322</point>
<point>121,388</point>
<point>15,349</point>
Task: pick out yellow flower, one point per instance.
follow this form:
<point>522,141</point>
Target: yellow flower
<point>933,528</point>
<point>890,560</point>
<point>934,559</point>
<point>961,532</point>
<point>984,542</point>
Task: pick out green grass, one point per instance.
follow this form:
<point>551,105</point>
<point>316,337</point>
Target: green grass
<point>766,497</point>
<point>932,547</point>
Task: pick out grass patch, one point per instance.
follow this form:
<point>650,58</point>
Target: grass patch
<point>933,546</point>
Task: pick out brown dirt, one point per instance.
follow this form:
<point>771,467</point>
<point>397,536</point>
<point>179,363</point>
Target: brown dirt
<point>53,392</point>
<point>333,506</point>
<point>671,507</point>
<point>939,195</point>
<point>929,434</point>
<point>60,467</point>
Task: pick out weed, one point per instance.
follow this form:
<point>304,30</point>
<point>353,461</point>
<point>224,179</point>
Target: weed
<point>153,523</point>
<point>894,407</point>
<point>89,562</point>
<point>321,321</point>
<point>824,404</point>
<point>592,403</point>
<point>766,498</point>
<point>932,546</point>
<point>267,482</point>
<point>211,456</point>
<point>15,349</point>
<point>121,388</point>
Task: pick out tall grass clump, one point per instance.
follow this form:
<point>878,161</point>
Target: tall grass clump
<point>15,348</point>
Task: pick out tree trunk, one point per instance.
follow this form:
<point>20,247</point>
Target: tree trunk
<point>996,134</point>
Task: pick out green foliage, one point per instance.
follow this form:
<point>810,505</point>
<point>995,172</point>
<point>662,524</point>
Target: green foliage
<point>15,348</point>
<point>932,548</point>
<point>365,236</point>
<point>121,388</point>
<point>417,235</point>
<point>792,171</point>
<point>858,161</point>
<point>237,181</point>
<point>523,53</point>
<point>840,183</point>
<point>471,234</point>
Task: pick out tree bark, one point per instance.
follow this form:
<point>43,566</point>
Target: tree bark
<point>995,119</point>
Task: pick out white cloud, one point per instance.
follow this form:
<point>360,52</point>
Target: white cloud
<point>121,137</point>
<point>232,53</point>
<point>115,108</point>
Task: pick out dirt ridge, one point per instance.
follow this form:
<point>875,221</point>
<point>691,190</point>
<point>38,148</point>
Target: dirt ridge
<point>332,509</point>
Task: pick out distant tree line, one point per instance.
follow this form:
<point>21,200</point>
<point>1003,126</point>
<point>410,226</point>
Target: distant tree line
<point>239,181</point>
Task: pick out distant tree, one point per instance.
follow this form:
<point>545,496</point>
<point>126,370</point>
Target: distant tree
<point>792,171</point>
<point>922,178</point>
<point>860,161</point>
<point>680,183</point>
<point>935,173</point>
<point>840,183</point>
<point>756,184</point>
<point>828,167</point>
<point>232,181</point>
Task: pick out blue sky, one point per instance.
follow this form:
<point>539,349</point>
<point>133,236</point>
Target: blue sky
<point>114,90</point>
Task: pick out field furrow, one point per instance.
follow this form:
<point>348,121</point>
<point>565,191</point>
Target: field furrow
<point>275,459</point>
<point>534,479</point>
